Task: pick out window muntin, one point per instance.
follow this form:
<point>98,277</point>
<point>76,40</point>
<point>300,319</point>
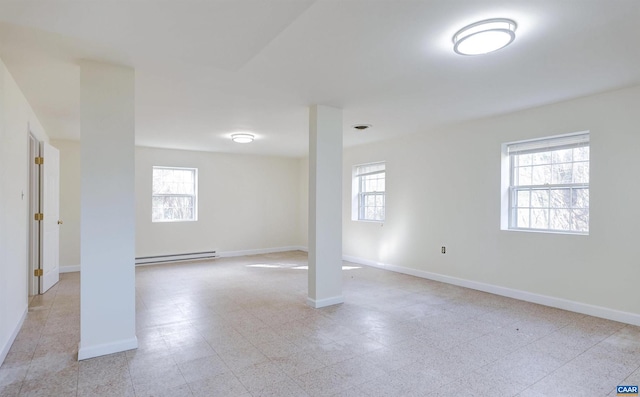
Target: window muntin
<point>549,184</point>
<point>370,179</point>
<point>174,194</point>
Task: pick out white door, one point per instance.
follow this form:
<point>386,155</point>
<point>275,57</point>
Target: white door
<point>50,224</point>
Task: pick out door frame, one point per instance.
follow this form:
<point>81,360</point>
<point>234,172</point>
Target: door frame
<point>33,282</point>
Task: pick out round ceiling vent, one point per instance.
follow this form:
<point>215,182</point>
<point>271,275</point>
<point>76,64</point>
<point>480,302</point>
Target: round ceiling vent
<point>361,127</point>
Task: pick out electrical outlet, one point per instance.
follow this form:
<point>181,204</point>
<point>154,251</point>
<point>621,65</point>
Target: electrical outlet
<point>444,249</point>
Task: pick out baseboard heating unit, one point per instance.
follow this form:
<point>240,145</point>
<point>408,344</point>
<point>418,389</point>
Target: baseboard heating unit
<point>193,256</point>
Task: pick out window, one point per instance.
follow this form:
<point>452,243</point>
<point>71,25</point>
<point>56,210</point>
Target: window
<point>368,188</point>
<point>175,192</point>
<point>549,184</point>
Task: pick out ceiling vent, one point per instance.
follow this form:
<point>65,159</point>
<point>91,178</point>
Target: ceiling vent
<point>361,127</point>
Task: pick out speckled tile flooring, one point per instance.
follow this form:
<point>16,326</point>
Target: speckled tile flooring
<point>240,327</point>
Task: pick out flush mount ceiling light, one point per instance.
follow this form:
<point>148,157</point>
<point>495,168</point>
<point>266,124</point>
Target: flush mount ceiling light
<point>484,36</point>
<point>242,138</point>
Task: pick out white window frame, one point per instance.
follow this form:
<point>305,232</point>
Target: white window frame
<point>510,189</point>
<point>194,195</point>
<point>359,196</point>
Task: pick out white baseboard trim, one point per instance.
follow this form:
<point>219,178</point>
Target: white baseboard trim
<point>560,303</point>
<point>5,349</point>
<point>362,261</point>
<point>228,254</point>
<point>69,269</point>
<point>171,258</point>
<point>317,304</point>
<point>86,352</point>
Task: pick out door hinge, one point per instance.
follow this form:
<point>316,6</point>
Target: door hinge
<point>39,160</point>
<point>38,217</point>
<point>38,273</point>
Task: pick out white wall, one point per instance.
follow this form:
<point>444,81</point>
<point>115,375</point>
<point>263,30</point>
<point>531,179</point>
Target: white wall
<point>16,118</point>
<point>245,202</point>
<point>107,205</point>
<point>232,217</point>
<point>443,189</point>
<point>325,206</point>
<point>69,203</point>
<point>303,206</point>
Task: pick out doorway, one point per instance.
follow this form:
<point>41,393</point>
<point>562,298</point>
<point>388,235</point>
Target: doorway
<point>44,213</point>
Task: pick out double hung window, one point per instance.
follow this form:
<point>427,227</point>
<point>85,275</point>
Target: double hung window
<point>549,184</point>
<point>174,194</point>
<point>370,182</point>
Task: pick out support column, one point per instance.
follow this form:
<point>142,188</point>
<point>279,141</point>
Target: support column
<point>325,206</point>
<point>107,234</point>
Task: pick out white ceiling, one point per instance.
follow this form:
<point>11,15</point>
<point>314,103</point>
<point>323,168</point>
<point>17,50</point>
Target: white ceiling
<point>206,69</point>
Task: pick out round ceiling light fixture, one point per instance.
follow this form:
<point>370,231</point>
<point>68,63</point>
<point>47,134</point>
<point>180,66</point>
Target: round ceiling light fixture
<point>361,127</point>
<point>484,36</point>
<point>242,138</point>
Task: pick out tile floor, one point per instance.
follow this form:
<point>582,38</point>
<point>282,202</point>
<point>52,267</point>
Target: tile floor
<point>240,327</point>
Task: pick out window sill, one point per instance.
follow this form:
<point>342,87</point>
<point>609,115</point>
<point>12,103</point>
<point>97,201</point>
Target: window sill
<point>539,231</point>
<point>174,220</point>
<point>367,221</point>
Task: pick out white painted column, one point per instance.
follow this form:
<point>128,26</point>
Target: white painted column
<point>325,206</point>
<point>107,204</point>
